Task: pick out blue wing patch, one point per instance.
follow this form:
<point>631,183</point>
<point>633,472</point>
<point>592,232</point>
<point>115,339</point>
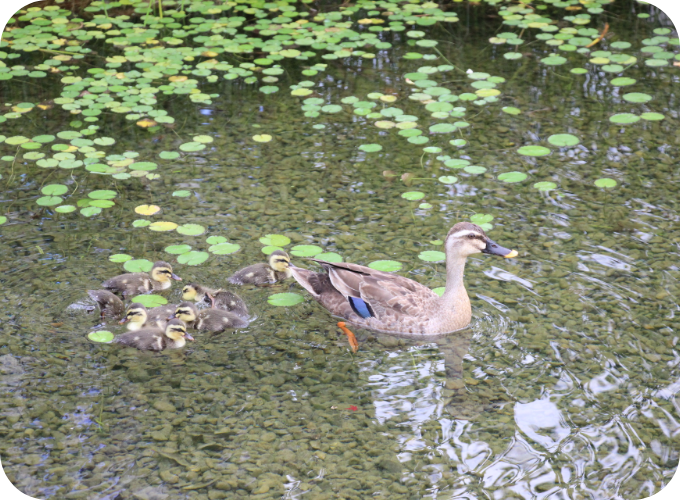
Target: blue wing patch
<point>360,307</point>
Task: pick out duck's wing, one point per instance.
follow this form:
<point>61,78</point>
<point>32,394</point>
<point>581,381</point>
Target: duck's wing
<point>378,293</point>
<point>145,339</point>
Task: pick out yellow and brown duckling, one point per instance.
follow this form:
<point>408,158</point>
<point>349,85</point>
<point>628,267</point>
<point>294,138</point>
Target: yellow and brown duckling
<point>209,320</point>
<point>219,299</point>
<point>109,304</point>
<point>160,278</point>
<point>174,336</point>
<point>138,317</point>
<point>276,269</point>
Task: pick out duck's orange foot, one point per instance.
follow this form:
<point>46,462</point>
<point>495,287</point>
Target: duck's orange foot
<point>354,345</point>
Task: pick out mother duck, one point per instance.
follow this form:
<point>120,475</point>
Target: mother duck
<point>390,303</point>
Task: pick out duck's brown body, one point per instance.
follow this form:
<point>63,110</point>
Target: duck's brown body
<point>156,339</point>
<point>220,299</point>
<point>131,284</point>
<point>209,320</point>
<point>276,269</point>
<point>109,305</point>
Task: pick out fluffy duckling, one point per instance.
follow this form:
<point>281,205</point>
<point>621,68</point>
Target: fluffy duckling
<point>276,269</point>
<point>211,320</point>
<point>109,304</point>
<point>156,339</point>
<point>138,317</point>
<point>137,283</point>
<point>220,299</point>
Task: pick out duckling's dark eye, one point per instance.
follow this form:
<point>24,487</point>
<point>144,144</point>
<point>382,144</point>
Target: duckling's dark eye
<point>165,271</point>
<point>471,236</point>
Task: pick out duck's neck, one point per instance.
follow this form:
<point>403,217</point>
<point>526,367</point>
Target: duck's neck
<point>455,293</point>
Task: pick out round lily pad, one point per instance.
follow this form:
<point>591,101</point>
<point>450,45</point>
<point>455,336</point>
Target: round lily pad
<point>215,240</point>
<point>563,140</point>
<point>90,211</point>
<point>150,300</point>
<point>545,185</point>
<point>652,116</point>
<point>48,201</point>
<point>388,266</point>
<point>138,266</point>
<point>276,240</point>
<point>262,138</point>
<point>605,182</point>
<point>178,249</point>
<point>191,229</point>
<point>370,148</point>
<point>329,257</point>
<point>65,209</point>
<point>623,81</point>
<point>533,151</point>
<point>448,179</point>
<point>120,257</point>
<point>439,290</point>
<point>182,193</point>
<point>432,256</point>
<point>54,189</point>
<point>147,209</point>
<point>305,250</point>
<point>161,226</point>
<point>285,299</point>
<point>224,248</point>
<point>102,194</point>
<point>102,336</point>
<point>193,258</point>
<point>141,223</point>
<point>270,248</point>
<point>511,110</point>
<point>637,97</point>
<point>624,118</point>
<point>413,195</point>
<point>481,218</point>
<point>511,177</point>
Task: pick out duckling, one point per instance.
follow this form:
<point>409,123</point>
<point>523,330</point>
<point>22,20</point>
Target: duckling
<point>211,320</point>
<point>138,317</point>
<point>109,304</point>
<point>220,299</point>
<point>277,269</point>
<point>156,339</point>
<point>138,283</point>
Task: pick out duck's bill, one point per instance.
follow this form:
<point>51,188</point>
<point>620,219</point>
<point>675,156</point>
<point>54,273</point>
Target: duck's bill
<point>494,248</point>
<point>124,320</point>
<point>175,277</point>
<point>188,337</point>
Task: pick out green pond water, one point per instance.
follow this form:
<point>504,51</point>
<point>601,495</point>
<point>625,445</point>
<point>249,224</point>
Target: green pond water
<point>565,385</point>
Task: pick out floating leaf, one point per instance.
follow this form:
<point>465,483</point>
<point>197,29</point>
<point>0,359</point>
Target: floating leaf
<point>329,257</point>
<point>192,146</point>
<point>331,108</point>
<point>533,151</point>
<point>439,290</point>
<point>141,223</point>
<point>65,209</point>
<point>481,218</point>
<point>553,60</point>
<point>54,189</point>
<point>177,249</point>
<point>605,182</point>
<point>511,110</point>
<point>545,185</point>
<point>162,226</point>
<point>448,179</point>
<point>191,229</point>
<point>147,209</point>
<point>413,195</point>
<point>623,81</point>
<point>624,118</point>
<point>388,266</point>
<point>285,299</point>
<point>512,177</point>
<point>432,256</point>
<point>637,97</point>
<point>563,140</point>
<point>120,257</point>
<point>224,248</point>
<point>370,148</point>
<point>48,201</point>
<point>102,336</point>
<point>269,249</point>
<point>474,169</point>
<point>262,138</point>
<point>305,250</point>
<point>102,194</point>
<point>3,219</point>
<point>277,240</point>
<point>168,155</point>
<point>652,116</point>
<point>150,300</point>
<point>138,266</point>
<point>181,193</point>
<point>215,240</point>
<point>193,258</point>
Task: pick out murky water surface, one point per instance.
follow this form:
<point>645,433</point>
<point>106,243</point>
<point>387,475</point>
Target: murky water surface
<point>564,386</point>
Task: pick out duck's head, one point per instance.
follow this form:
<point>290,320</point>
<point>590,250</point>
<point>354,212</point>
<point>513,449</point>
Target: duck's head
<point>187,312</point>
<point>177,330</point>
<point>162,272</point>
<point>279,261</point>
<point>136,314</point>
<point>192,291</point>
<point>466,238</point>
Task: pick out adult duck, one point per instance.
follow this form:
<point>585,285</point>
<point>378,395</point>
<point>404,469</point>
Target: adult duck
<point>390,303</point>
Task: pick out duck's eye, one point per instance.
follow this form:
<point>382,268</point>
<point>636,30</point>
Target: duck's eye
<point>471,236</point>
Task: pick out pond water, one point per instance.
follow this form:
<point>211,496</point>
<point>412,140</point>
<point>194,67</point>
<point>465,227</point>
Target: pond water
<point>566,383</point>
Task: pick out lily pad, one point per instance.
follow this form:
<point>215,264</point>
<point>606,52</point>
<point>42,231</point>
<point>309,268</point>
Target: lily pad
<point>605,182</point>
<point>413,195</point>
<point>120,257</point>
<point>511,177</point>
<point>48,201</point>
<point>191,229</point>
<point>138,266</point>
<point>623,81</point>
<point>150,300</point>
<point>215,240</point>
<point>624,118</point>
<point>102,194</point>
<point>65,209</point>
<point>533,151</point>
<point>305,250</point>
<point>277,240</point>
<point>652,116</point>
<point>193,258</point>
<point>270,248</point>
<point>388,266</point>
<point>147,209</point>
<point>178,249</point>
<point>90,211</point>
<point>182,193</point>
<point>162,226</point>
<point>329,257</point>
<point>637,97</point>
<point>545,185</point>
<point>54,189</point>
<point>101,336</point>
<point>285,299</point>
<point>262,138</point>
<point>448,179</point>
<point>481,218</point>
<point>563,140</point>
<point>224,248</point>
<point>370,148</point>
<point>432,256</point>
<point>439,290</point>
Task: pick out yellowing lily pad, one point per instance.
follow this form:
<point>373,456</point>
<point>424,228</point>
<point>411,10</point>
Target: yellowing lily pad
<point>162,226</point>
<point>147,209</point>
<point>262,138</point>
